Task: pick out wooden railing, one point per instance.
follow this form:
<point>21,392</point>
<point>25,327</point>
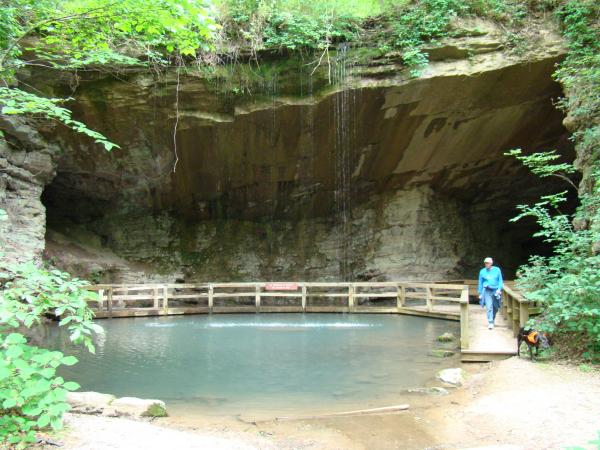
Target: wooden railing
<point>517,308</point>
<point>275,297</point>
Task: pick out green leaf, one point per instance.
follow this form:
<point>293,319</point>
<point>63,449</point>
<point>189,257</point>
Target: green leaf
<point>9,403</point>
<point>68,360</point>
<point>15,338</point>
<point>14,352</point>
<point>71,386</point>
<point>56,423</point>
<point>43,420</point>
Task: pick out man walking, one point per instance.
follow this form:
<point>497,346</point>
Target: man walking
<point>490,289</point>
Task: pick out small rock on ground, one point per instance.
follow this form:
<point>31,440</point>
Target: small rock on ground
<point>455,377</point>
<point>446,337</point>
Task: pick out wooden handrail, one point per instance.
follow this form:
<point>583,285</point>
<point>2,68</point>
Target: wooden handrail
<point>518,297</point>
<point>160,294</point>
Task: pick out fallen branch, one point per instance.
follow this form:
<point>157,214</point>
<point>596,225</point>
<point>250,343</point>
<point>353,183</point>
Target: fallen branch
<point>358,412</point>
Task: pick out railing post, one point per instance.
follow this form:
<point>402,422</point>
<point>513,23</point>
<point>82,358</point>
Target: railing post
<point>523,313</point>
<point>210,298</point>
<point>303,297</point>
<point>165,299</point>
<point>101,299</point>
<point>257,297</point>
<point>109,295</point>
<point>400,296</point>
<point>121,302</point>
<point>155,297</point>
<point>464,319</point>
<point>428,299</point>
<point>516,316</point>
<point>351,297</point>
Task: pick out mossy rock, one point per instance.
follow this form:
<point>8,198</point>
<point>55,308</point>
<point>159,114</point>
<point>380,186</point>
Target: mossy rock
<point>156,410</point>
<point>446,337</point>
<point>441,353</point>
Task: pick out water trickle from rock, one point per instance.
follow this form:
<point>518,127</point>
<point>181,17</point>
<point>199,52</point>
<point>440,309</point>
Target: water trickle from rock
<point>344,106</point>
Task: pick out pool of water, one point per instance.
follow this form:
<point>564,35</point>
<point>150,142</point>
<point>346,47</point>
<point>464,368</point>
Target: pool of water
<point>283,363</point>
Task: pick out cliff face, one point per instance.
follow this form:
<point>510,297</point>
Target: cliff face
<point>26,166</point>
<point>280,175</point>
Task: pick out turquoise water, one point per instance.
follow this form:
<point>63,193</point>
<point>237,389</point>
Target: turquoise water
<point>285,363</point>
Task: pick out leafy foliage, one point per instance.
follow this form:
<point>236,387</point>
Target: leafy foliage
<point>32,396</point>
<point>18,102</point>
<point>567,283</point>
<point>76,34</point>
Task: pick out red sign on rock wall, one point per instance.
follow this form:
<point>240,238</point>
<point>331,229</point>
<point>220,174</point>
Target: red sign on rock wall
<point>281,287</point>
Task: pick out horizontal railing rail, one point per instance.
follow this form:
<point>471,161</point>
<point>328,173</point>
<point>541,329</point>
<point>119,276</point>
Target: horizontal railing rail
<point>346,296</point>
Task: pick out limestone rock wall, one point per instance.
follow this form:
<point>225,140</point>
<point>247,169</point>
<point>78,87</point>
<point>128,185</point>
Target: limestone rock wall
<point>284,176</point>
<point>26,166</point>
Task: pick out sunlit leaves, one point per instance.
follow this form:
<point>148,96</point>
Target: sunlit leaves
<point>104,31</point>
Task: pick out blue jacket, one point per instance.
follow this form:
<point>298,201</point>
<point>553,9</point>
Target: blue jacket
<point>491,279</point>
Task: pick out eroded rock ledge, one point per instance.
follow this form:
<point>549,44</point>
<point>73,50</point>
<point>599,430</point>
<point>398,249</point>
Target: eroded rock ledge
<point>376,176</point>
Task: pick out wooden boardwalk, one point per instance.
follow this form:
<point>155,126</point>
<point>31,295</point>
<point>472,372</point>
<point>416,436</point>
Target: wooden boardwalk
<point>485,344</point>
<point>449,301</point>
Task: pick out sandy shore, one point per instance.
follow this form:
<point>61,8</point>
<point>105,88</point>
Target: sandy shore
<point>511,404</point>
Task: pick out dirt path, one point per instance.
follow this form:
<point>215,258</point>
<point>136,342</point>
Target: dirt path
<point>513,404</point>
<point>533,406</point>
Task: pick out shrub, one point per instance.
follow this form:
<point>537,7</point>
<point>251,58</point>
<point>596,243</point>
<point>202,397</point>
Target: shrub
<point>32,396</point>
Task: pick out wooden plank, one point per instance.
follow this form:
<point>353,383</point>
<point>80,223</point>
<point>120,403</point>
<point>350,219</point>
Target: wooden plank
<point>428,300</point>
<point>155,297</point>
<point>400,297</point>
<point>183,296</point>
<point>375,310</point>
<point>375,284</point>
<point>210,297</point>
<point>328,295</point>
<point>457,287</point>
<point>281,294</point>
<point>132,297</point>
<point>523,314</point>
<point>326,309</point>
<point>464,325</point>
<point>257,298</point>
<point>304,297</point>
<point>514,294</point>
<point>376,294</point>
<point>165,298</point>
<point>280,309</point>
<point>485,344</point>
<point>109,301</point>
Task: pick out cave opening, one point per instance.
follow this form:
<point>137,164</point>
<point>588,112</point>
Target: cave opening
<point>374,182</point>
